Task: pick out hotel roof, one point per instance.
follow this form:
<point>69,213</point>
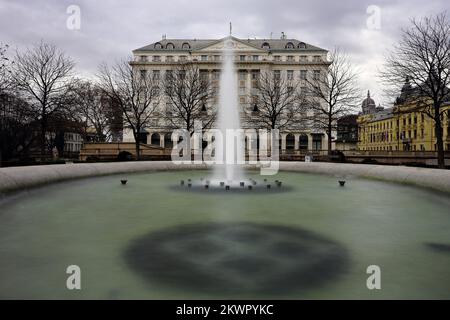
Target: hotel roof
<point>293,45</point>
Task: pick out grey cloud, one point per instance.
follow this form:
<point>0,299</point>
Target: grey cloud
<point>110,29</point>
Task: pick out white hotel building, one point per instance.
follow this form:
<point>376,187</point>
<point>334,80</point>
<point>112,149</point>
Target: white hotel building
<point>291,58</point>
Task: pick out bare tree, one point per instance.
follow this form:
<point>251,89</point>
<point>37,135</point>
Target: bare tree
<point>278,102</point>
<point>43,76</point>
<point>5,69</point>
<point>333,94</point>
<point>16,130</point>
<point>188,92</point>
<point>93,110</point>
<point>423,57</point>
<point>136,92</point>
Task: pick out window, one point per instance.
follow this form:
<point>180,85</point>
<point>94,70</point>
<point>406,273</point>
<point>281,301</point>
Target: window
<point>255,58</point>
<point>185,46</point>
<point>143,74</point>
<point>290,74</point>
<point>302,45</point>
<point>169,74</point>
<point>317,59</point>
<point>169,58</point>
<point>170,46</point>
<point>204,75</point>
<point>183,58</point>
<point>303,74</point>
<point>156,58</point>
<point>216,75</point>
<point>143,58</point>
<point>255,74</point>
<point>242,75</point>
<point>156,74</point>
<point>303,58</point>
<point>216,58</point>
<point>204,58</point>
<point>290,58</point>
<point>277,58</point>
<point>289,45</point>
<point>265,45</point>
<point>158,46</point>
<point>276,74</point>
<point>316,74</point>
<point>242,57</point>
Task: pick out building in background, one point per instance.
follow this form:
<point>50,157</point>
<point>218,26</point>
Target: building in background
<point>347,133</point>
<point>290,58</point>
<point>403,127</point>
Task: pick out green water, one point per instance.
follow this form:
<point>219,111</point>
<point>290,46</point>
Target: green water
<point>93,223</point>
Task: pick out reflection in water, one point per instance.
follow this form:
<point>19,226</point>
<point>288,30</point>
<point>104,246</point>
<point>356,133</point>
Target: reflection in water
<point>441,247</point>
<point>237,258</point>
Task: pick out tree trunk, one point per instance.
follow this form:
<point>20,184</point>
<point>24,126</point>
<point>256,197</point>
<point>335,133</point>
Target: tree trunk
<point>329,129</point>
<point>138,150</point>
<point>43,138</point>
<point>439,140</point>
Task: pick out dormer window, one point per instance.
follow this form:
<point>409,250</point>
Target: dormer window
<point>302,45</point>
<point>266,46</point>
<point>158,46</point>
<point>170,46</point>
<point>289,45</point>
<point>185,46</point>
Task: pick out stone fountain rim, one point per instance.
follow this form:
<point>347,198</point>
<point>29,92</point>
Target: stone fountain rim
<point>14,179</point>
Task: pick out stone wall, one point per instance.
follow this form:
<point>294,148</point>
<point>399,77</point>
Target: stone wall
<point>19,178</point>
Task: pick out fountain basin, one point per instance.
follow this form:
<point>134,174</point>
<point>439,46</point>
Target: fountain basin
<point>94,224</point>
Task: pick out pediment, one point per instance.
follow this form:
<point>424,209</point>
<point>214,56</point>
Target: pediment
<point>235,44</point>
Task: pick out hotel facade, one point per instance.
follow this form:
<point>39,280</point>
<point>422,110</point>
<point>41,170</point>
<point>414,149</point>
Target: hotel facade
<point>293,59</point>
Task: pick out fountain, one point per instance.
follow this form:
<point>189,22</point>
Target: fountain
<point>229,150</point>
<point>228,173</point>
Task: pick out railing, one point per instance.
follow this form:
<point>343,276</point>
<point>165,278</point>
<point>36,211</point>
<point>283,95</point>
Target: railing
<point>423,154</point>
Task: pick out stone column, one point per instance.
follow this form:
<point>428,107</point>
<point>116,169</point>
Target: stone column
<point>325,142</point>
<point>296,144</point>
<point>310,141</point>
<point>161,140</point>
<point>283,142</point>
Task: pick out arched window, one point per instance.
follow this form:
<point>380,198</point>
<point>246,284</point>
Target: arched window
<point>185,46</point>
<point>290,141</point>
<point>303,142</point>
<point>158,46</point>
<point>289,45</point>
<point>302,45</point>
<point>265,45</point>
<point>155,139</point>
<point>170,46</point>
<point>168,143</point>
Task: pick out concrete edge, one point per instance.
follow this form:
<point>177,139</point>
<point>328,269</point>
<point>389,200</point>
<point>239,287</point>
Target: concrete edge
<point>22,178</point>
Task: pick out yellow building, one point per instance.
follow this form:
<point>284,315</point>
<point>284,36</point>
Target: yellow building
<point>400,128</point>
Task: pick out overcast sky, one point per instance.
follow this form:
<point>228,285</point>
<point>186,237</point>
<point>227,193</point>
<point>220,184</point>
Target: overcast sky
<point>111,29</point>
